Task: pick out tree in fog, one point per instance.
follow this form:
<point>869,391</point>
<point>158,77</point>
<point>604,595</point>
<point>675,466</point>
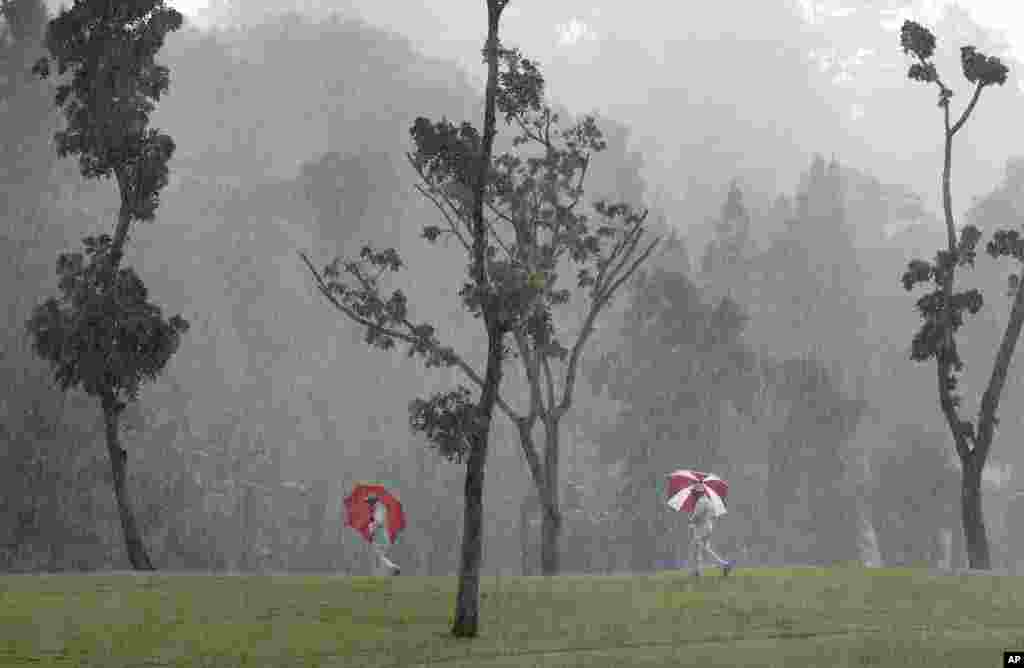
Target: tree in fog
<point>914,491</point>
<point>102,334</point>
<point>536,203</point>
<point>339,190</point>
<point>681,364</point>
<point>535,232</point>
<point>27,425</point>
<point>730,248</point>
<point>807,283</point>
<point>942,309</point>
<point>455,162</point>
<point>803,519</point>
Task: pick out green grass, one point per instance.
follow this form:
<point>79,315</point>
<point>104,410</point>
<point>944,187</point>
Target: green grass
<point>757,617</point>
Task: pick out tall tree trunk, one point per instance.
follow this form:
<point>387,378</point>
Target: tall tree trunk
<point>137,554</point>
<point>467,601</point>
<point>551,517</point>
<point>527,508</point>
<point>524,537</point>
<point>539,500</point>
<point>975,537</point>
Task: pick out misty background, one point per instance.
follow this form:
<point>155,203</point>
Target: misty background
<point>795,166</point>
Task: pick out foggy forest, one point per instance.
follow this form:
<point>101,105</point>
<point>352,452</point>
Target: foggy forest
<point>738,286</point>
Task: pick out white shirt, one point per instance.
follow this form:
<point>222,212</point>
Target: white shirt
<point>703,511</point>
<point>379,525</point>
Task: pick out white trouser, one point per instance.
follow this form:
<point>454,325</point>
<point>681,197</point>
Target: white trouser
<point>700,545</point>
<point>383,565</point>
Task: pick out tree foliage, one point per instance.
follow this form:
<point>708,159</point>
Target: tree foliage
<point>732,234</point>
<point>103,334</point>
<point>811,522</point>
<point>942,309</point>
<point>682,362</point>
<point>103,339</point>
<point>532,227</point>
<point>115,83</point>
<point>913,496</point>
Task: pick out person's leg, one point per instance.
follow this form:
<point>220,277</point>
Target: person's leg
<point>695,553</point>
<point>725,564</point>
<point>707,546</point>
<point>379,569</point>
<point>385,565</point>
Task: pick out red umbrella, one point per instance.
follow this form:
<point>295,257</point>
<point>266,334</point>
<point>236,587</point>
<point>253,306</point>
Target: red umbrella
<point>358,514</point>
<point>685,487</point>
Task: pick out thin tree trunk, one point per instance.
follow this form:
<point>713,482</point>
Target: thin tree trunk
<point>541,500</point>
<point>551,518</point>
<point>527,507</point>
<point>467,600</point>
<point>137,555</point>
<point>975,537</point>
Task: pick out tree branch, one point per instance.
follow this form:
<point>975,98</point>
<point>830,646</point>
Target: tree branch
<point>598,300</point>
<point>525,427</point>
<point>325,290</point>
<point>494,232</point>
<point>530,365</point>
<point>643,256</point>
<point>601,279</point>
<point>579,185</point>
<point>990,399</point>
<point>549,383</point>
<point>452,227</point>
<point>950,412</point>
<point>968,110</point>
<point>622,252</point>
<point>529,134</point>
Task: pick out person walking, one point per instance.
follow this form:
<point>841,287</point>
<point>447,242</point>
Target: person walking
<point>702,523</point>
<point>380,538</point>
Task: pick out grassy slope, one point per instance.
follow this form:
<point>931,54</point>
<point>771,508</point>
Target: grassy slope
<point>793,617</point>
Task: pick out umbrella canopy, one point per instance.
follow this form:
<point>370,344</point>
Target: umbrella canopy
<point>685,487</point>
<point>358,513</point>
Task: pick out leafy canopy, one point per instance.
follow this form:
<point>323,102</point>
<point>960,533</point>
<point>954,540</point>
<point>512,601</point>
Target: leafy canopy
<point>941,309</point>
<point>98,338</point>
<point>102,333</point>
<point>110,47</point>
<point>530,201</point>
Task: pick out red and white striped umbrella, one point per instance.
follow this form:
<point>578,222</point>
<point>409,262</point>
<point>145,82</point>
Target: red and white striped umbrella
<point>685,487</point>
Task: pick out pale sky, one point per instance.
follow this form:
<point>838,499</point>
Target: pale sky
<point>578,31</point>
<point>1007,17</point>
<point>1003,15</point>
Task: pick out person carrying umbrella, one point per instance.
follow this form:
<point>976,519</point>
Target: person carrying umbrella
<point>381,540</point>
<point>377,515</point>
<point>703,496</point>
